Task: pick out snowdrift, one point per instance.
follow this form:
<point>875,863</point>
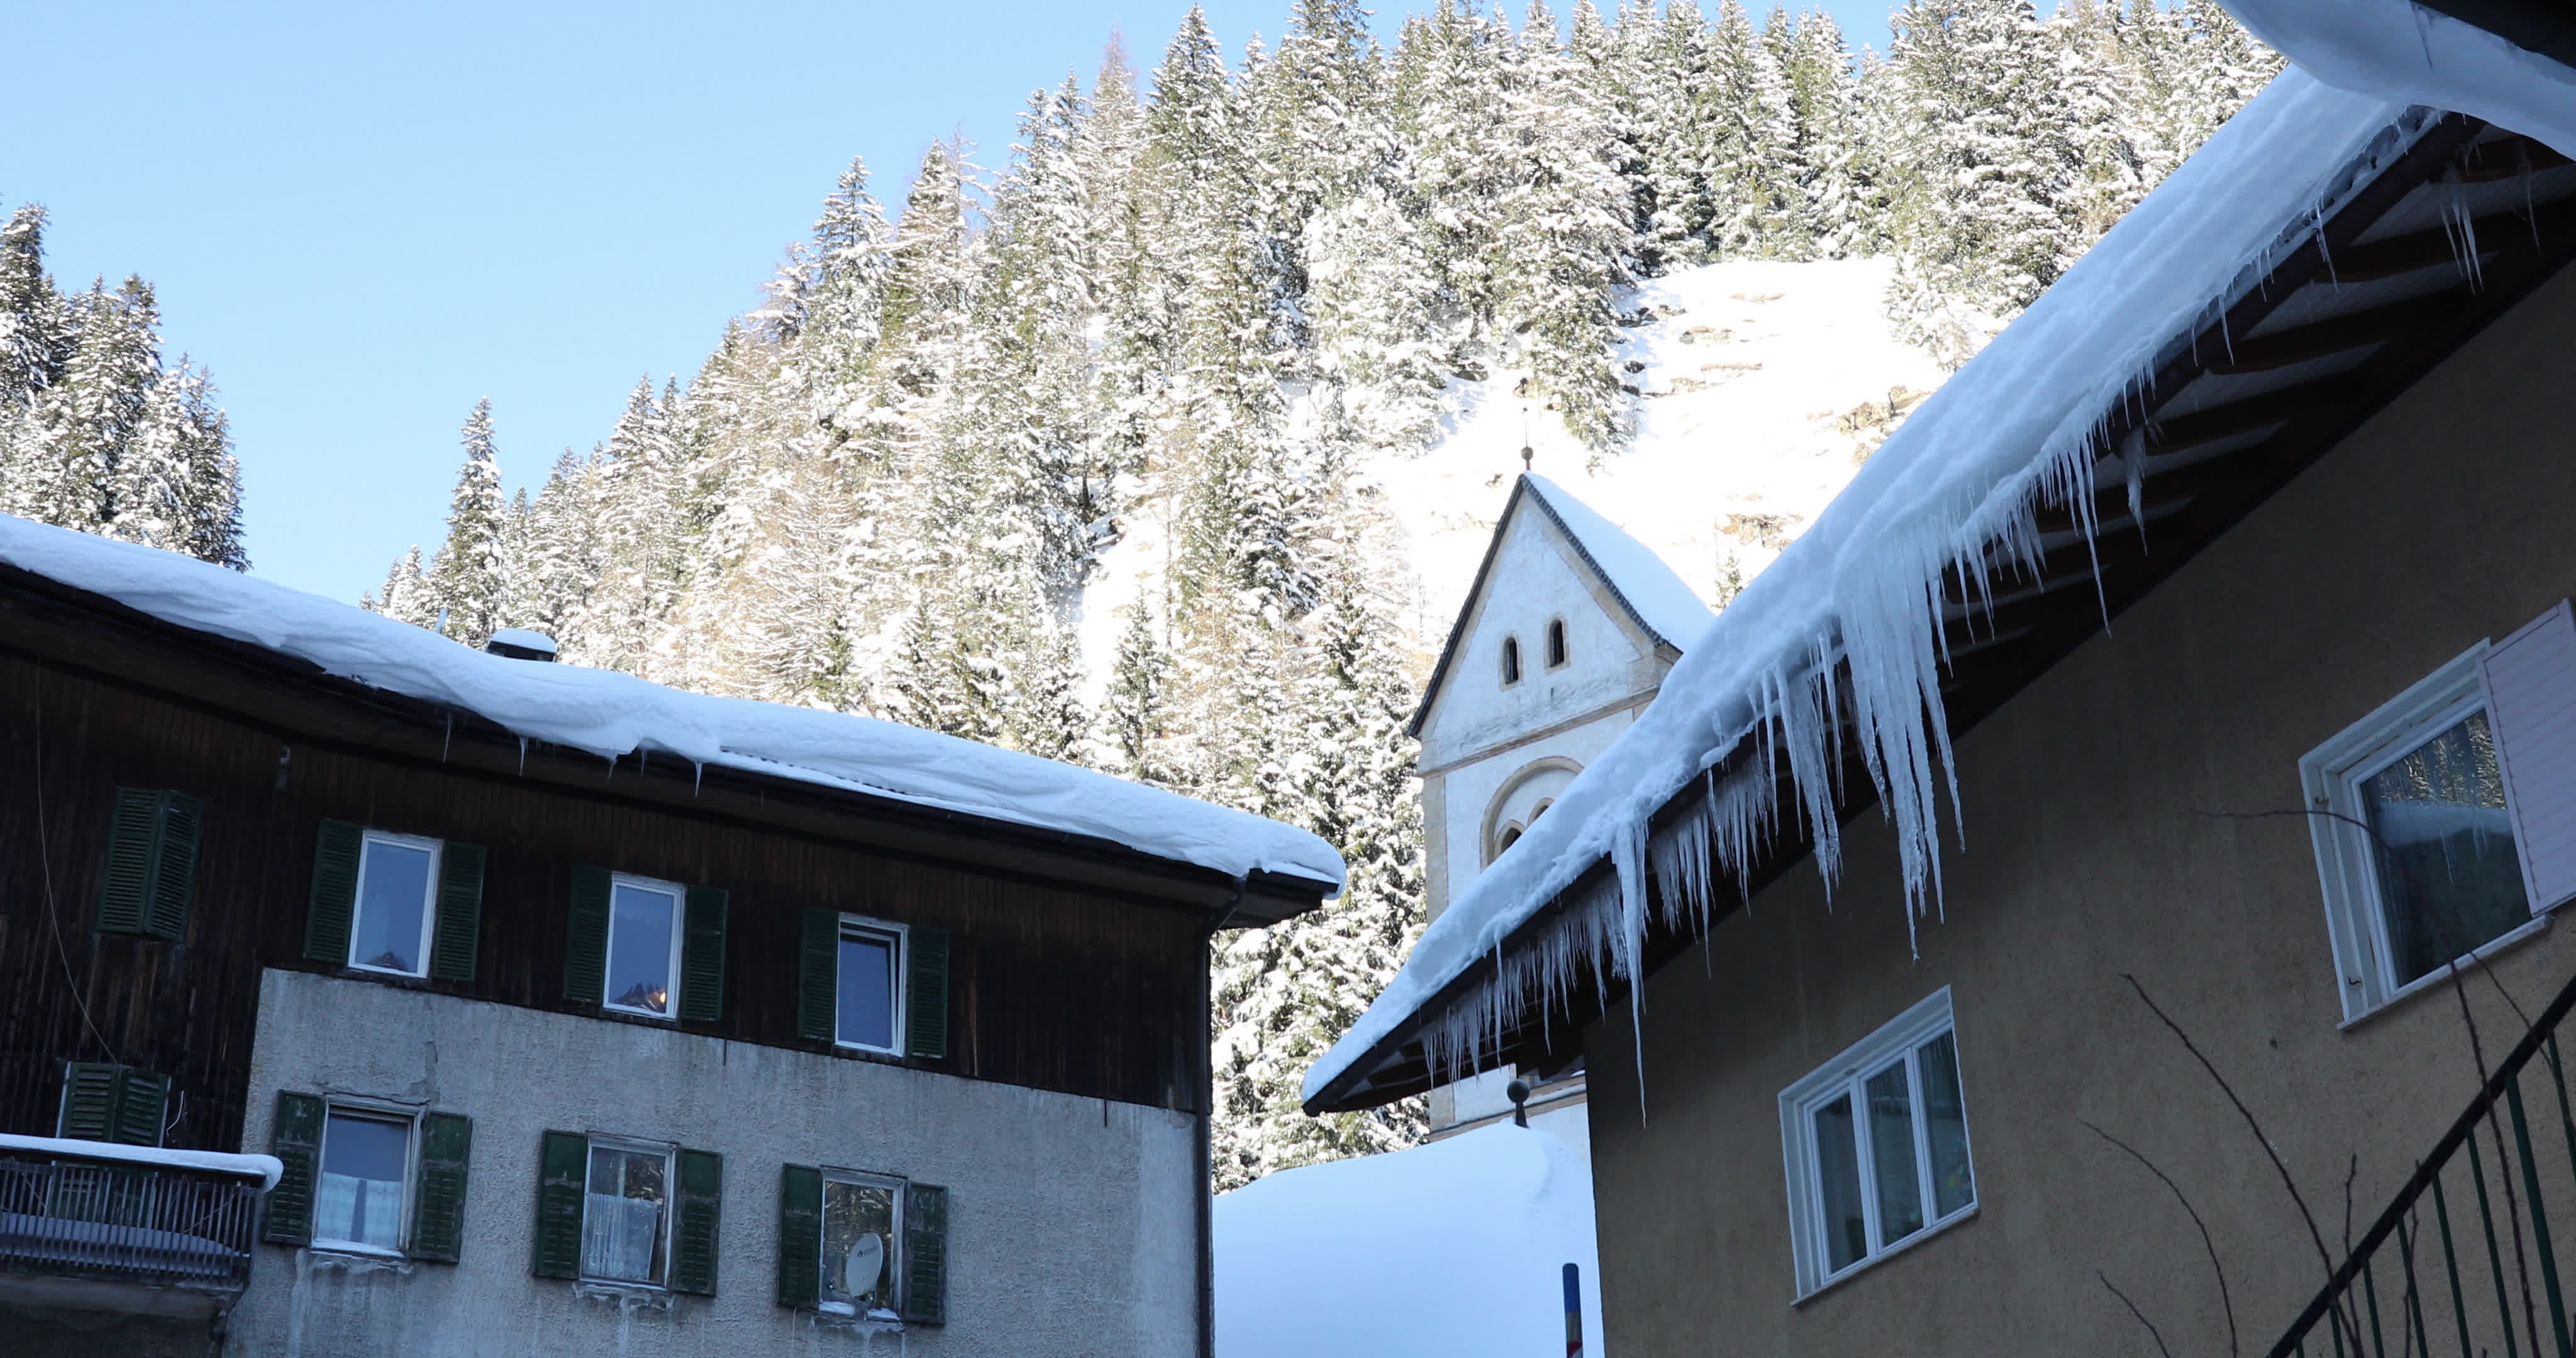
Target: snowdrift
<point>1455,1247</point>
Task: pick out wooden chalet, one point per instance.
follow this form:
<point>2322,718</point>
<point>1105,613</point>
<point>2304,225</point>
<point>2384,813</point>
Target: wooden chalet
<point>561,1052</point>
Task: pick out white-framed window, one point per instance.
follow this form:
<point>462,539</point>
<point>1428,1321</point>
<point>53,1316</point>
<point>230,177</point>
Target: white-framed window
<point>1511,661</point>
<point>626,1212</point>
<point>644,919</point>
<point>397,903</point>
<point>1876,1144</point>
<point>2414,840</point>
<point>1556,652</point>
<point>868,1011</point>
<point>361,1192</point>
<point>862,1235</point>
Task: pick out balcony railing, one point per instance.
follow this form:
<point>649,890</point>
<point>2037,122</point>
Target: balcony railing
<point>113,1215</point>
<point>2466,1255</point>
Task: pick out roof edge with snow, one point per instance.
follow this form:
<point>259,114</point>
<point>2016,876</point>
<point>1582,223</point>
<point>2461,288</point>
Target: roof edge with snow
<point>935,779</point>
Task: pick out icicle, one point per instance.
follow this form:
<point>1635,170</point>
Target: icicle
<point>523,756</point>
<point>2459,223</point>
<point>1628,854</point>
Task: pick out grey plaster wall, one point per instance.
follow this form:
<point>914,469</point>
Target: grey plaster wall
<point>1072,1220</point>
<point>2089,854</point>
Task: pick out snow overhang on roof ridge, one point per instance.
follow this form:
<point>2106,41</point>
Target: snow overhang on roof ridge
<point>612,715</point>
<point>1956,489</point>
<point>1646,584</point>
<point>2395,49</point>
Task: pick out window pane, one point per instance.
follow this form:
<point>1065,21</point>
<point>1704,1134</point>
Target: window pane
<point>1945,1125</point>
<point>1838,1182</point>
<point>858,1245</point>
<point>1891,1155</point>
<point>2443,845</point>
<point>393,893</point>
<point>867,990</point>
<point>358,1197</point>
<point>639,949</point>
<point>621,1218</point>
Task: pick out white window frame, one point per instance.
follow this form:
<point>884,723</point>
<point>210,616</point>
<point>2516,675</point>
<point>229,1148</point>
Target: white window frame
<point>428,906</point>
<point>377,1111</point>
<point>670,1153</point>
<point>894,1236</point>
<point>1509,662</point>
<point>1556,645</point>
<point>2330,779</point>
<point>679,928</point>
<point>1846,1073</point>
<point>899,985</point>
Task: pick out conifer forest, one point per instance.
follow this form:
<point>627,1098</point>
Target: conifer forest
<point>1205,297</point>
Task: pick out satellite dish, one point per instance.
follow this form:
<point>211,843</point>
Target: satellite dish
<point>860,1271</point>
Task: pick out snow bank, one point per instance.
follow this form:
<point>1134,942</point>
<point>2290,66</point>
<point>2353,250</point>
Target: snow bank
<point>2394,49</point>
<point>614,715</point>
<point>264,1168</point>
<point>1641,577</point>
<point>1957,487</point>
<point>1456,1247</point>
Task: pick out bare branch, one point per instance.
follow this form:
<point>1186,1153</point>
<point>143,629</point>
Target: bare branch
<point>2224,1301</point>
<point>2133,1310</point>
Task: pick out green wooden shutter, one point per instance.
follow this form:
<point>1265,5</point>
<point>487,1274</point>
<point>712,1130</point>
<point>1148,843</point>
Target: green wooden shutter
<point>459,927</point>
<point>702,955</point>
<point>698,1204</point>
<point>174,866</point>
<point>141,1097</point>
<point>925,1254</point>
<point>295,1138</point>
<point>586,938</point>
<point>335,893</point>
<point>800,1235</point>
<point>438,1203</point>
<point>89,1100</point>
<point>125,882</point>
<point>926,1006</point>
<point>818,976</point>
<point>563,1167</point>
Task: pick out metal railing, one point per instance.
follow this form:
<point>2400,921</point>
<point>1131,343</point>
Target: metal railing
<point>156,1225</point>
<point>2431,1275</point>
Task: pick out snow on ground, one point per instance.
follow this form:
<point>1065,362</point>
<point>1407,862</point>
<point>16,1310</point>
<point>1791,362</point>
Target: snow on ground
<point>1454,1247</point>
<point>1961,478</point>
<point>1759,386</point>
<point>616,715</point>
<point>1754,383</point>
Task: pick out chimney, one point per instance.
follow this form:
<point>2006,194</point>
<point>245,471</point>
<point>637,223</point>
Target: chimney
<point>518,643</point>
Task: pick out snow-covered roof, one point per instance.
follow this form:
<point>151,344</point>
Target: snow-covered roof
<point>2396,49</point>
<point>1647,589</point>
<point>613,715</point>
<point>1956,487</point>
<point>264,1168</point>
<point>1457,1246</point>
<point>1652,592</point>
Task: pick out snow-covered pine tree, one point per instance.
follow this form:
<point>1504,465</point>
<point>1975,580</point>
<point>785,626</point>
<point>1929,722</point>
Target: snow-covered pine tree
<point>1560,241</point>
<point>466,578</point>
<point>1132,711</point>
<point>406,596</point>
<point>176,485</point>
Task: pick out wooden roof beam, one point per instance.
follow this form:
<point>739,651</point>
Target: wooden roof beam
<point>2338,334</point>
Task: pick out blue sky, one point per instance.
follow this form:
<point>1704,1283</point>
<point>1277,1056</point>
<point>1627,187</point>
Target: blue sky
<point>362,218</point>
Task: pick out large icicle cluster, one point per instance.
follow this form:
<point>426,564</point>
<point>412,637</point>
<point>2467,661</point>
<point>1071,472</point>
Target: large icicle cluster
<point>1954,497</point>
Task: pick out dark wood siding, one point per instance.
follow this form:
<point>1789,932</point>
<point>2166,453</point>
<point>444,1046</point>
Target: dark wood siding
<point>1052,989</point>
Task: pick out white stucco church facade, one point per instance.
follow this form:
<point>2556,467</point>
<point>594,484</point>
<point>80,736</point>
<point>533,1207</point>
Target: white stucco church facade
<point>1565,636</point>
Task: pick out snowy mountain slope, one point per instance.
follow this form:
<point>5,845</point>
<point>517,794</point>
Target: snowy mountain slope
<point>1760,386</point>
